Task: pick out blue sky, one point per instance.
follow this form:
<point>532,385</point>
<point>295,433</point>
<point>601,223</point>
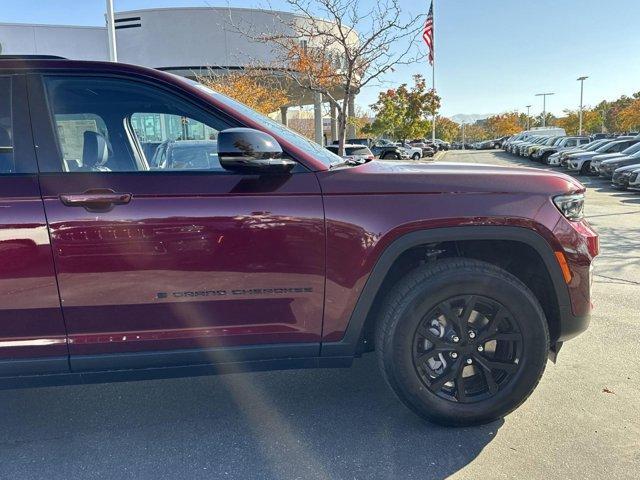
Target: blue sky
<point>492,55</point>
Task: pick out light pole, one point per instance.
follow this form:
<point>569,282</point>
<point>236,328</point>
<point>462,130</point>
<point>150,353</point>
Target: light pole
<point>581,80</point>
<point>544,106</point>
<point>462,137</point>
<point>528,117</point>
<point>111,32</point>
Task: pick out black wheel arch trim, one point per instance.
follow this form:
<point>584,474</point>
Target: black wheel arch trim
<point>350,342</point>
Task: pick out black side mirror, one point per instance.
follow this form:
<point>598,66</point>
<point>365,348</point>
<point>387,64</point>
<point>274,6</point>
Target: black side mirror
<point>249,151</point>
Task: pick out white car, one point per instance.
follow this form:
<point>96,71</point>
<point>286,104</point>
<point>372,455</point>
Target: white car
<point>353,152</point>
<point>415,153</point>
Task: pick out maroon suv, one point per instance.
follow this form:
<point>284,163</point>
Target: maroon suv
<point>150,227</point>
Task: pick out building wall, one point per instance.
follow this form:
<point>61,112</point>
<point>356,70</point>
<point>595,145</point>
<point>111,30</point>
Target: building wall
<point>81,43</point>
<point>207,37</point>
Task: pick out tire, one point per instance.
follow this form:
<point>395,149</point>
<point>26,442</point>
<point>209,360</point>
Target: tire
<point>416,156</point>
<point>545,158</point>
<point>523,334</point>
<point>586,168</point>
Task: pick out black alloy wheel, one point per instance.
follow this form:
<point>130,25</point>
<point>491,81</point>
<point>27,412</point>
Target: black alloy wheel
<point>467,348</point>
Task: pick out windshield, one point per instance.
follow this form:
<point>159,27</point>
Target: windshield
<point>632,149</point>
<point>605,147</point>
<point>594,145</point>
<point>319,152</point>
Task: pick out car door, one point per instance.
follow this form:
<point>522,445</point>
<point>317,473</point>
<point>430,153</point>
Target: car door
<point>32,331</point>
<point>170,254</point>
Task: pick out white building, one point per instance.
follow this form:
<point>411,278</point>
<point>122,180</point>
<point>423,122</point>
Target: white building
<point>185,41</point>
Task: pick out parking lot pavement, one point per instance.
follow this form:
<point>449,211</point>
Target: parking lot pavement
<point>581,422</point>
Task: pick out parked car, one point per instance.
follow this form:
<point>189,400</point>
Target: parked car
<point>291,257</point>
<point>606,168</point>
<point>186,154</point>
<point>358,153</point>
<point>598,159</point>
<point>634,180</point>
<point>489,144</point>
<point>427,149</point>
<point>386,151</point>
<point>559,157</point>
<point>549,142</point>
<point>442,145</point>
<point>543,153</point>
<point>581,162</point>
<point>622,175</point>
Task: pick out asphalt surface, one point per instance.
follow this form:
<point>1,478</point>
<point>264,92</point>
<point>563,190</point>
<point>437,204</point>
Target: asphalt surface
<point>583,421</point>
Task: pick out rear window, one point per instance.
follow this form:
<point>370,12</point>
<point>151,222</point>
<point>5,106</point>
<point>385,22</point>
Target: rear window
<point>357,151</point>
<point>6,134</point>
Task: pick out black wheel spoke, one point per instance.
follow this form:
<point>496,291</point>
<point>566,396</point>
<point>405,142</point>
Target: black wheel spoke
<point>470,305</point>
<point>448,376</point>
<point>505,337</point>
<point>460,386</point>
<point>495,365</point>
<point>492,386</point>
<point>491,329</point>
<point>449,314</point>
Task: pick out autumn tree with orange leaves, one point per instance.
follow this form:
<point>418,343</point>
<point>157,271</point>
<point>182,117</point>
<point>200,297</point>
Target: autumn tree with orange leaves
<point>249,86</point>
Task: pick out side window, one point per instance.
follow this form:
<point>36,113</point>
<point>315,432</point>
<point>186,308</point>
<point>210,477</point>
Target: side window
<point>7,164</point>
<point>176,142</point>
<point>571,143</point>
<point>117,125</point>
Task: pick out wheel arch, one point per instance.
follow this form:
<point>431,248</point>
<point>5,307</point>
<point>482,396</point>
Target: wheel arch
<point>362,319</point>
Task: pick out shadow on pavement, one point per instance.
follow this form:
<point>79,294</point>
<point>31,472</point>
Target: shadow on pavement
<point>296,424</point>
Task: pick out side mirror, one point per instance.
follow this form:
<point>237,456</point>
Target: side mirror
<point>249,151</point>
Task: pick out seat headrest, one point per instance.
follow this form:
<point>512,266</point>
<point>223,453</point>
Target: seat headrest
<point>95,150</point>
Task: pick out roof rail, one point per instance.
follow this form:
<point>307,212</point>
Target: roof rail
<point>32,57</point>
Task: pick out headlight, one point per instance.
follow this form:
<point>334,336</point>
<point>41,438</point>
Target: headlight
<point>571,206</point>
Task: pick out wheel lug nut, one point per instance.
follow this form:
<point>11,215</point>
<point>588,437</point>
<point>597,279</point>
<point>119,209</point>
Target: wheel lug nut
<point>480,348</point>
<point>455,339</point>
<point>454,355</point>
<point>469,361</point>
<point>472,334</point>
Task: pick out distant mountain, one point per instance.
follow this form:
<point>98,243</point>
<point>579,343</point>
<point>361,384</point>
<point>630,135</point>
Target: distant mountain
<point>469,118</point>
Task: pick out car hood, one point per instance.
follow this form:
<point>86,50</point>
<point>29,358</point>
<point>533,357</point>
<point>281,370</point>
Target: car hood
<point>608,156</point>
<point>391,177</point>
<point>630,168</point>
<point>623,161</point>
<point>581,155</point>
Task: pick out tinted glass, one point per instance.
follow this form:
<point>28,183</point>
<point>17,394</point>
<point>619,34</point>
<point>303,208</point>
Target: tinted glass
<point>114,125</point>
<point>6,130</point>
<point>357,151</point>
<point>319,152</point>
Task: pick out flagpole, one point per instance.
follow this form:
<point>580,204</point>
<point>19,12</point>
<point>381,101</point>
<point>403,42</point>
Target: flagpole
<point>433,71</point>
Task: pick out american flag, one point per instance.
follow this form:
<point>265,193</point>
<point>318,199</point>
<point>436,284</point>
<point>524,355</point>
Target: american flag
<point>427,34</point>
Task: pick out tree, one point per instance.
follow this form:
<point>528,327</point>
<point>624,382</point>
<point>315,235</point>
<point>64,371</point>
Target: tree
<point>249,86</point>
<point>402,112</point>
<point>504,124</point>
<point>630,116</point>
<point>337,47</point>
<point>476,132</point>
<point>447,129</point>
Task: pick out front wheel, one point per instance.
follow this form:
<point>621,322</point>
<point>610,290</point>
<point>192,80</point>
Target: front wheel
<point>416,156</point>
<point>586,168</point>
<point>462,342</point>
